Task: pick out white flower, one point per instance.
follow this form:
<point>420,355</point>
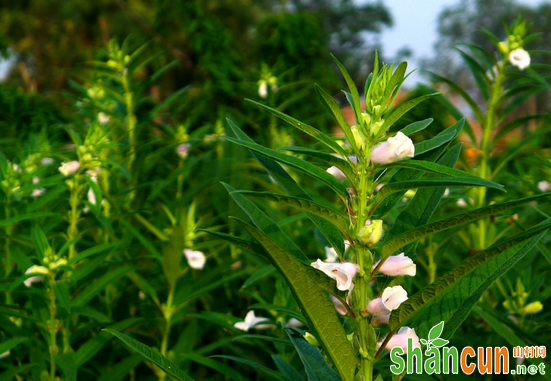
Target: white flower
<point>519,58</point>
<point>401,339</point>
<point>544,186</point>
<point>38,192</point>
<point>47,161</point>
<point>35,270</point>
<point>183,150</point>
<point>462,203</point>
<point>36,180</point>
<point>263,89</point>
<point>250,321</point>
<point>379,186</point>
<point>103,118</point>
<point>331,254</point>
<point>294,323</point>
<point>91,197</point>
<point>5,354</point>
<point>394,149</point>
<point>390,300</point>
<point>447,192</point>
<point>195,259</point>
<point>398,265</point>
<point>69,168</point>
<point>343,273</point>
<point>381,319</point>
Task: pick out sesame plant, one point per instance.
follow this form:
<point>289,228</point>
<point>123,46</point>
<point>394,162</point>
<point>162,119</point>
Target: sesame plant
<point>363,277</point>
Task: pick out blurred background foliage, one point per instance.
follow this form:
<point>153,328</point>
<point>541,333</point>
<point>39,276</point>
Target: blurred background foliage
<point>200,60</point>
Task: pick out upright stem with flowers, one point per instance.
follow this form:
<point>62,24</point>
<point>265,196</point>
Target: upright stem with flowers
<point>359,257</point>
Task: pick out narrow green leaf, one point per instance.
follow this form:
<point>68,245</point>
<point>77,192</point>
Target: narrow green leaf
<point>431,167</point>
<point>396,114</point>
<point>314,364</point>
<point>460,219</point>
<point>11,343</point>
<point>299,164</point>
<point>388,189</point>
<point>333,107</point>
<point>290,186</point>
<point>415,127</point>
<point>95,288</point>
<point>451,297</point>
<point>331,160</point>
<point>339,219</point>
<point>265,223</point>
<point>152,355</point>
<point>10,373</point>
<point>313,132</point>
<point>314,304</point>
<point>263,369</point>
<point>352,87</point>
<point>119,371</point>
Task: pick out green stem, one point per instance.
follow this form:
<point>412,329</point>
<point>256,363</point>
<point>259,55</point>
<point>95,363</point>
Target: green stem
<point>488,127</point>
<point>52,325</point>
<point>9,228</point>
<point>74,215</point>
<point>168,316</point>
<point>130,125</point>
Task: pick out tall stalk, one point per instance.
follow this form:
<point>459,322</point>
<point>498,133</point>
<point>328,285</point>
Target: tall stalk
<point>74,214</point>
<point>490,123</point>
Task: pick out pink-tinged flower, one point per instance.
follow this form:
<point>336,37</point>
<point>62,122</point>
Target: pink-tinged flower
<point>544,186</point>
<point>390,300</point>
<point>343,273</point>
<point>251,321</point>
<point>91,197</point>
<point>195,259</point>
<point>38,192</point>
<point>381,319</point>
<point>47,161</point>
<point>35,270</point>
<point>394,149</point>
<point>341,309</point>
<point>401,339</point>
<point>447,192</point>
<point>183,150</point>
<point>462,203</point>
<point>398,265</point>
<point>294,323</point>
<point>379,186</point>
<point>519,58</point>
<point>69,168</point>
<point>336,173</point>
<point>331,254</point>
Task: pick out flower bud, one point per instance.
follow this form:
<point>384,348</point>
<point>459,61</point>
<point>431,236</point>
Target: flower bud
<point>263,89</point>
<point>371,233</point>
<point>69,168</point>
<point>398,265</point>
<point>394,149</point>
<point>358,137</point>
<point>35,270</point>
<point>311,339</point>
<point>183,150</point>
<point>533,308</point>
<point>519,58</point>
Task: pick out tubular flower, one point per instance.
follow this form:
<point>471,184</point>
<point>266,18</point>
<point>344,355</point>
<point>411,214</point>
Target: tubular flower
<point>394,149</point>
<point>343,273</point>
<point>519,58</point>
<point>250,321</point>
<point>401,339</point>
<point>331,253</point>
<point>35,270</point>
<point>196,259</point>
<point>398,265</point>
<point>390,300</point>
<point>544,186</point>
<point>69,168</point>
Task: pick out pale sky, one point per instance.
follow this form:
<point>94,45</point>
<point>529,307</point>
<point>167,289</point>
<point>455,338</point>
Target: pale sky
<point>414,26</point>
